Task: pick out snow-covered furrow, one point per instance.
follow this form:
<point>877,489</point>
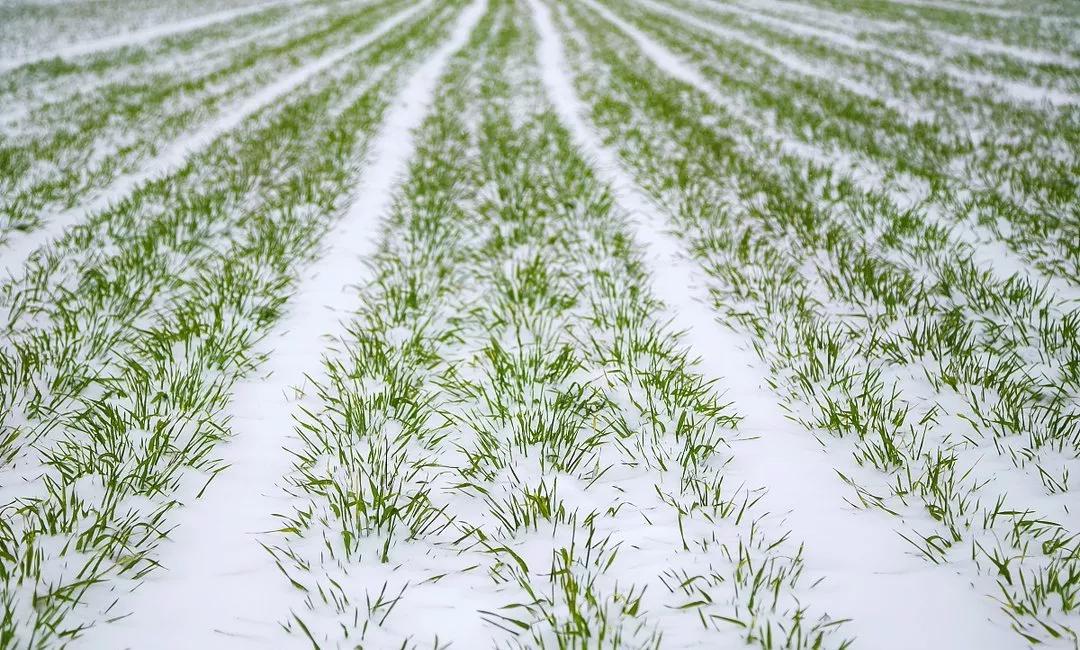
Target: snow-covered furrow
<point>895,600</point>
<point>222,588</point>
<point>174,154</point>
<point>432,606</point>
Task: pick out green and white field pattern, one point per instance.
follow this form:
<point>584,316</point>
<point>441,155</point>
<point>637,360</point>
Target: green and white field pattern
<point>561,324</point>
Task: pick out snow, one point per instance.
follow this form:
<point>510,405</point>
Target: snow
<point>219,588</point>
<point>896,600</point>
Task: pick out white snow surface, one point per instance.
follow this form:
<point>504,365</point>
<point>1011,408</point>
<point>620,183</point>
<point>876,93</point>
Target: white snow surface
<point>218,586</point>
<point>897,601</point>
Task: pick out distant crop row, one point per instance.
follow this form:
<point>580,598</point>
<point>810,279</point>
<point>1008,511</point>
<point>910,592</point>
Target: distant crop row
<point>76,145</point>
<point>514,443</point>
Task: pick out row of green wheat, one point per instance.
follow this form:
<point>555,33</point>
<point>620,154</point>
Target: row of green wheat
<point>513,422</point>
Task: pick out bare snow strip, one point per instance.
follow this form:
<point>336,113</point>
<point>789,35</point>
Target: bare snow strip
<point>172,157</point>
<point>219,588</point>
<point>897,601</point>
<point>143,35</point>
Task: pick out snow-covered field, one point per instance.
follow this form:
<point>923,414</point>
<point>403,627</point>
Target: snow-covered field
<point>582,324</point>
